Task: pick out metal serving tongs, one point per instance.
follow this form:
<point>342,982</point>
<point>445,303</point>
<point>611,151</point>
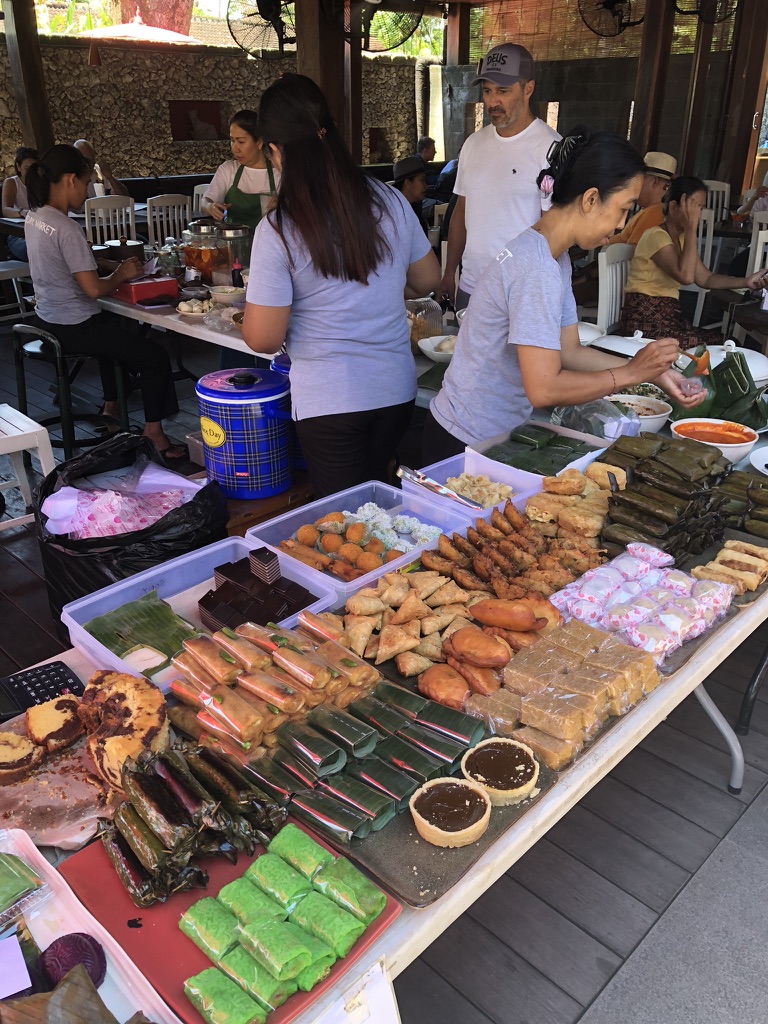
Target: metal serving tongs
<point>417,477</point>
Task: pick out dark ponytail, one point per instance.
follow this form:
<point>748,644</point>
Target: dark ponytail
<point>50,169</point>
<point>581,161</point>
<point>334,206</point>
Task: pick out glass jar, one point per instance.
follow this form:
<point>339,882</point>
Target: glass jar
<point>425,319</point>
<point>238,238</point>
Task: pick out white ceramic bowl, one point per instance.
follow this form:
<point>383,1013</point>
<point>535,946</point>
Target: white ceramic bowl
<point>429,347</point>
<point>732,452</point>
<point>653,412</point>
<point>227,295</point>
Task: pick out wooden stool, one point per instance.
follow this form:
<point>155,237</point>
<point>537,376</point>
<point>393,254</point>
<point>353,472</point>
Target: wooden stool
<point>19,434</point>
<point>14,271</point>
<point>44,346</point>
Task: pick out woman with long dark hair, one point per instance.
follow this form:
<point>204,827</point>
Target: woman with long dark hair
<point>667,257</point>
<point>67,286</point>
<point>242,188</point>
<point>518,347</point>
<point>15,200</point>
<point>330,268</point>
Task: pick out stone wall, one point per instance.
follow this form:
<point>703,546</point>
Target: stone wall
<point>121,105</point>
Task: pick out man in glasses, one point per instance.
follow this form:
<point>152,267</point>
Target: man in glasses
<point>659,171</point>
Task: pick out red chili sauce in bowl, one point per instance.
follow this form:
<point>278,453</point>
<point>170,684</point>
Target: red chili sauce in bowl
<point>716,433</point>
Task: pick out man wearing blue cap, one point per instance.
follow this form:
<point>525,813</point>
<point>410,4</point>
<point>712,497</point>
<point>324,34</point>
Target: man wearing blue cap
<point>496,183</point>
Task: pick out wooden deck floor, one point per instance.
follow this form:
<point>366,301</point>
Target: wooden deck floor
<point>542,943</point>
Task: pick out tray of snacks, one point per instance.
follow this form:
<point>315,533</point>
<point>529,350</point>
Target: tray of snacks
<point>138,624</point>
<point>58,933</point>
<point>535,447</point>
<point>739,559</point>
<point>352,537</point>
<point>488,491</point>
<point>265,938</point>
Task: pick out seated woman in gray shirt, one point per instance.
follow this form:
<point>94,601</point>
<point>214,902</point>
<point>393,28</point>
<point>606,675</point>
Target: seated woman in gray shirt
<point>67,286</point>
<point>518,348</point>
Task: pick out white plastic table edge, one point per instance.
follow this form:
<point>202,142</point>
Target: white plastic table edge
<point>170,320</point>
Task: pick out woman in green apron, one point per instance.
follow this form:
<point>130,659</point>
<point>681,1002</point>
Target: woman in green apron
<point>242,191</point>
<point>242,187</point>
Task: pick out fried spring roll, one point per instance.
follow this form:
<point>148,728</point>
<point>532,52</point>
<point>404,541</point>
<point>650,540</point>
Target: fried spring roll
<point>184,718</point>
<point>218,663</point>
<point>272,690</point>
<point>357,671</point>
<point>308,670</point>
<point>237,715</point>
<point>191,668</point>
<point>248,655</point>
<point>217,728</point>
<point>321,629</point>
<point>188,692</point>
<point>270,638</point>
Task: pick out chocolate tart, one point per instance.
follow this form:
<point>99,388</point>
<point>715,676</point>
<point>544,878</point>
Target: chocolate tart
<point>505,769</point>
<point>450,812</point>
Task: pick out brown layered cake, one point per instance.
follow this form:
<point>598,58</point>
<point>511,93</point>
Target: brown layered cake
<point>19,756</point>
<point>122,715</point>
<point>56,723</point>
<point>504,768</point>
<point>450,812</point>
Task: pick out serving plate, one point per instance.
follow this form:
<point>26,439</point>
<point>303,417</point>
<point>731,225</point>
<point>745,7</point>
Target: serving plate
<point>429,347</point>
<point>758,457</point>
<point>193,316</point>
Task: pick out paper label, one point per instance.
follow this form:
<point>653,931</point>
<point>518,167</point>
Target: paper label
<point>370,1001</point>
<point>14,976</point>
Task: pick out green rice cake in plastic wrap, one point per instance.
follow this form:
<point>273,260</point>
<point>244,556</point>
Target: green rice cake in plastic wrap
<point>332,925</point>
<point>211,927</point>
<point>220,1001</point>
<point>256,980</point>
<point>300,851</point>
<point>350,890</point>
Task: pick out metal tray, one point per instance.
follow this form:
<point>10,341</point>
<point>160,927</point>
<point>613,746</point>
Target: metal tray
<point>739,600</point>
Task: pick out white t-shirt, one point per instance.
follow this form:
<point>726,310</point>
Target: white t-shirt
<point>57,249</point>
<point>349,343</point>
<point>523,298</point>
<point>497,176</point>
<point>252,180</point>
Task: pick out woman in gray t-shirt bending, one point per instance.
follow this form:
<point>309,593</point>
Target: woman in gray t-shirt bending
<point>518,347</point>
<point>67,286</point>
<point>330,268</point>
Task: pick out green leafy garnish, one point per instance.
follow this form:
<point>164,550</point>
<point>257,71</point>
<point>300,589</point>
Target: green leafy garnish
<point>229,632</point>
<point>227,657</point>
<point>273,709</point>
<point>348,663</point>
<point>218,698</point>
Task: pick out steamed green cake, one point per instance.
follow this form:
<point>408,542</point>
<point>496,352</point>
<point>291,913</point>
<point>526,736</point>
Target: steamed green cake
<point>351,890</point>
<point>321,917</point>
<point>278,880</point>
<point>277,947</point>
<point>255,979</point>
<point>248,903</point>
<point>302,853</point>
<point>211,927</point>
<point>220,1001</point>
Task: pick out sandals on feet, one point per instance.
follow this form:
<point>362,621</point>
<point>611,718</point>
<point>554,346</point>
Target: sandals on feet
<point>173,454</point>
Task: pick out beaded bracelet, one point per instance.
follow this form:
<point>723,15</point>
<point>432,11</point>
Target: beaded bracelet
<point>613,379</point>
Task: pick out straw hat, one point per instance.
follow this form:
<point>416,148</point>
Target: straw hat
<point>662,164</point>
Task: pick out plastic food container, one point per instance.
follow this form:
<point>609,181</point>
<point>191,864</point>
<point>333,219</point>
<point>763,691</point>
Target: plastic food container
<point>389,498</point>
<point>182,582</point>
<point>245,416</point>
<point>523,484</point>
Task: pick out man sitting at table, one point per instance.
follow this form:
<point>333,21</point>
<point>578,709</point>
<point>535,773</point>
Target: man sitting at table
<point>101,173</point>
<point>411,179</point>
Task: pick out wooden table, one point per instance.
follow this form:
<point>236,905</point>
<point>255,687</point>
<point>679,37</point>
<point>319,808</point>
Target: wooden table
<point>415,930</point>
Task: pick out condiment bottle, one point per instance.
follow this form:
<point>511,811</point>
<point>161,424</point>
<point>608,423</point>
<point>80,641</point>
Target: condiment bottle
<point>237,274</point>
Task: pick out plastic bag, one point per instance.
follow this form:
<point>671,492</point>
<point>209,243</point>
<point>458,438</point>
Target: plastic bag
<point>601,418</point>
<point>74,568</point>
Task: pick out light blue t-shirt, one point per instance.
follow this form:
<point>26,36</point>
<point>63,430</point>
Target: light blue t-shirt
<point>57,249</point>
<point>523,297</point>
<point>349,343</point>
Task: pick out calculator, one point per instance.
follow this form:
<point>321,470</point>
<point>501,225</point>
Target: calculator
<point>35,686</point>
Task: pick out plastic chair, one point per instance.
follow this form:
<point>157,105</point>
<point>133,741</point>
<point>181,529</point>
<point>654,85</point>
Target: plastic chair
<point>15,271</point>
<point>438,213</point>
<point>109,217</point>
<point>18,435</point>
<point>167,215</point>
<point>759,227</point>
<point>719,201</point>
<point>704,237</point>
<point>612,271</point>
<point>34,343</point>
<point>198,194</point>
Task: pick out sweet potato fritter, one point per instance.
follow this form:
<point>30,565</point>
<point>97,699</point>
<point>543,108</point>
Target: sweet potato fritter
<point>501,522</point>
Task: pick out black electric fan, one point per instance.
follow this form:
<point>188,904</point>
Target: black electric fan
<point>263,28</point>
<point>607,17</point>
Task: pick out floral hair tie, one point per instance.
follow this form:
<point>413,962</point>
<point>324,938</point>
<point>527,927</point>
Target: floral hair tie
<point>546,187</point>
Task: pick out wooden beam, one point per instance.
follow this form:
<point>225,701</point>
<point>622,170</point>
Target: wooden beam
<point>697,94</point>
<point>320,54</point>
<point>652,73</point>
<point>27,76</point>
<point>457,34</point>
<point>745,103</point>
<point>353,97</point>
